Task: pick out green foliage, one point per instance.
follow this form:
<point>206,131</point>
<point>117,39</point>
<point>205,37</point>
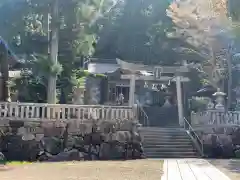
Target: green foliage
<point>42,64</point>
<point>137,31</point>
<point>84,44</point>
<point>199,104</point>
<point>233,9</point>
<point>31,88</point>
<point>84,73</point>
<point>207,32</point>
<point>28,20</point>
<point>79,76</point>
<point>133,30</point>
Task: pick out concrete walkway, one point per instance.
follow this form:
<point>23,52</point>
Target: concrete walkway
<point>191,169</point>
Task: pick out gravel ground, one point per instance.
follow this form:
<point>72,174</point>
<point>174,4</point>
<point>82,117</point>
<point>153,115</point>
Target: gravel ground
<point>228,166</point>
<point>92,170</point>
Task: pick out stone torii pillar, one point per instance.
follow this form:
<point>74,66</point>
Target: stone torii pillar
<point>132,89</point>
<point>179,100</point>
<point>132,69</point>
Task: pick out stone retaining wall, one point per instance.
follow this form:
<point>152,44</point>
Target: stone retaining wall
<point>221,142</point>
<point>59,141</point>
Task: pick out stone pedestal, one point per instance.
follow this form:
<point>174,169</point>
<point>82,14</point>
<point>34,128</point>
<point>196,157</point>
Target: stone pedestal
<point>78,96</point>
<point>167,102</point>
<point>210,105</point>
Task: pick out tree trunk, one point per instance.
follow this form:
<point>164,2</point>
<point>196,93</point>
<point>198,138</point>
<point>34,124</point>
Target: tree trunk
<point>4,73</point>
<point>53,54</point>
<point>229,83</point>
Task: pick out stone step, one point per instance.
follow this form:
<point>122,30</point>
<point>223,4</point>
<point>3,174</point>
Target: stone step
<point>163,150</point>
<point>170,154</point>
<point>167,145</point>
<point>164,137</point>
<point>163,133</point>
<point>162,141</point>
<point>152,129</point>
<point>161,128</point>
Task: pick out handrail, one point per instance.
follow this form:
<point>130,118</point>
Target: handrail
<point>146,119</point>
<point>190,128</point>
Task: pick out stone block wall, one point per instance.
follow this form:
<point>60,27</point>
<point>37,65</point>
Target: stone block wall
<point>62,141</point>
<point>221,142</point>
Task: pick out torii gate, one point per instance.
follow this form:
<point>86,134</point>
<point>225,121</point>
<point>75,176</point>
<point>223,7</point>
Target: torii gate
<point>156,75</point>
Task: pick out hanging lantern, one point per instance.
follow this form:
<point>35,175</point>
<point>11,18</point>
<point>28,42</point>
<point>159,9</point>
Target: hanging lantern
<point>154,87</point>
<point>163,87</point>
<point>18,40</point>
<point>145,84</point>
<point>169,82</point>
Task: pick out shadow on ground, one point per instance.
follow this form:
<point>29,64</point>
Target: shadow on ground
<point>5,168</point>
<point>230,164</point>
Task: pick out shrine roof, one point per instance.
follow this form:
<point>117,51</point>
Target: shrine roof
<point>128,67</point>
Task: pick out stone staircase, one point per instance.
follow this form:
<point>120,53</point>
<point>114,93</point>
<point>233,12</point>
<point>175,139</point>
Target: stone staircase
<point>167,143</point>
<point>162,116</point>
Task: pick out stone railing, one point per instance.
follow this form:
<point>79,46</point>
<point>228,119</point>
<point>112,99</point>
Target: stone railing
<point>215,117</point>
<point>62,112</point>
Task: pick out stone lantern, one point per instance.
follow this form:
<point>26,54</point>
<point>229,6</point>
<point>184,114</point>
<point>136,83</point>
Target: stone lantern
<point>167,96</point>
<point>237,91</point>
<point>219,99</point>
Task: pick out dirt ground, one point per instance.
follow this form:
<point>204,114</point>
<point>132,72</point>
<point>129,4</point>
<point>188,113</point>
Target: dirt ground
<point>230,167</point>
<point>92,170</point>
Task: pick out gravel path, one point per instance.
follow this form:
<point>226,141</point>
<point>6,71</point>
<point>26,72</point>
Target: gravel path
<point>92,170</point>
